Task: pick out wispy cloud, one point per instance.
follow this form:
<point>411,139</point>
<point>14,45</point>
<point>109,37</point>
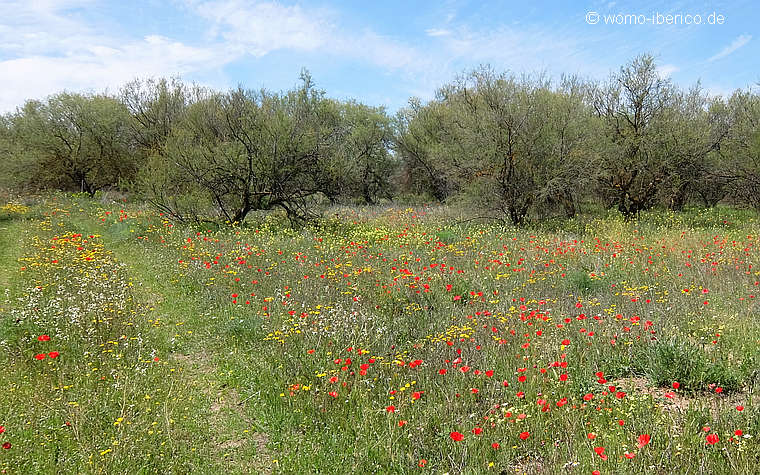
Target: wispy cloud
<point>260,28</point>
<point>735,45</point>
<point>437,32</point>
<point>97,67</point>
<point>667,70</point>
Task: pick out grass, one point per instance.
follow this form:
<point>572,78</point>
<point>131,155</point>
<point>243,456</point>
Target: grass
<point>366,343</point>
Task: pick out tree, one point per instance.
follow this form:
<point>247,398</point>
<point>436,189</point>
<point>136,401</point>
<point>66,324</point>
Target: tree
<point>155,105</point>
<point>74,141</point>
<point>246,150</point>
<point>633,106</point>
<point>418,143</point>
<point>740,157</point>
<point>695,128</point>
<point>364,163</point>
<point>509,144</point>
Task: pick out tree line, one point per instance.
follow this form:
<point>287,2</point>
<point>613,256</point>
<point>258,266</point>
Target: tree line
<point>513,147</point>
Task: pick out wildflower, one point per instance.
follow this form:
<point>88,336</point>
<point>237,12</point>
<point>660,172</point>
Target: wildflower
<point>390,409</point>
<point>600,452</point>
<point>53,354</point>
<point>643,440</point>
<point>40,356</point>
<point>7,445</point>
<point>740,408</point>
<point>676,385</point>
<point>43,338</point>
<point>422,463</point>
<point>456,436</point>
<point>477,431</point>
<point>524,435</point>
<point>712,439</point>
<point>495,445</point>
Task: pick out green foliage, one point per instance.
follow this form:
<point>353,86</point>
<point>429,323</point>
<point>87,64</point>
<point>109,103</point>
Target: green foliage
<point>510,143</point>
<point>678,360</point>
<point>72,142</point>
<point>581,283</point>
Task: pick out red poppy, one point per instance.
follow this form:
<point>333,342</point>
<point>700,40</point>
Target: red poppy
<point>588,397</point>
<point>2,429</point>
<point>524,435</point>
<point>40,356</point>
<point>43,338</point>
<point>643,440</point>
<point>495,445</point>
<point>456,436</point>
<point>7,445</point>
<point>477,431</point>
<point>629,455</point>
<point>676,385</point>
<point>422,463</point>
<point>712,439</point>
<point>53,354</point>
<point>333,394</point>
<point>738,432</point>
<point>390,409</point>
<point>600,452</point>
<point>402,423</point>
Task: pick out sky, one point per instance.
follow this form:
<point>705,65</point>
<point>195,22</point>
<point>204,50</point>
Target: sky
<point>380,53</point>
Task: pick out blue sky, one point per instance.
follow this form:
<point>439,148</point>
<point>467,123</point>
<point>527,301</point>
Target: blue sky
<point>378,52</point>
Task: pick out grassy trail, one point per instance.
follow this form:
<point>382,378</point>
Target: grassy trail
<point>186,314</point>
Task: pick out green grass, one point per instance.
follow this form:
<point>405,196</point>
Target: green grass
<point>253,328</point>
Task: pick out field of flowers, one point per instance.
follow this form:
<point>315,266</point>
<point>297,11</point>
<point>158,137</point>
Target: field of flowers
<point>381,340</point>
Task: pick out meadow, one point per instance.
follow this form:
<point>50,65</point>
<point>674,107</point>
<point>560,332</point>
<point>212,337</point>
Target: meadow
<point>381,339</point>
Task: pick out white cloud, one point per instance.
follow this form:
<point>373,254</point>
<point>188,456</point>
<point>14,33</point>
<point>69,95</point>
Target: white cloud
<point>260,28</point>
<point>735,45</point>
<point>45,47</point>
<point>437,32</point>
<point>264,27</point>
<point>98,67</point>
<point>666,70</point>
